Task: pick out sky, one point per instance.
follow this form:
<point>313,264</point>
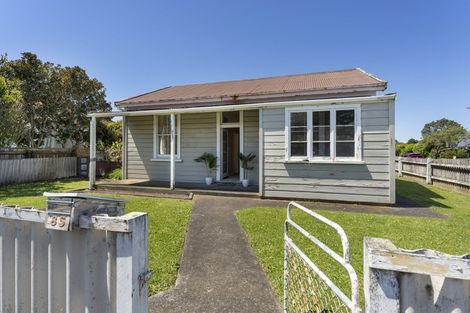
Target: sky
<point>422,48</point>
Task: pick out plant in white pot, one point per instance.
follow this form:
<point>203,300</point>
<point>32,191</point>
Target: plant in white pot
<point>210,161</point>
<point>245,160</point>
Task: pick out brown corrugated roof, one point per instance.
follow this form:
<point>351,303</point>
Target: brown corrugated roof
<point>301,83</point>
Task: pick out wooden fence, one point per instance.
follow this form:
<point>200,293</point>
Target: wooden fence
<point>27,153</point>
<point>14,171</point>
<point>454,172</point>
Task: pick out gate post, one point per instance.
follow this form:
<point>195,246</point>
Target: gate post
<point>381,289</point>
<point>131,266</point>
<point>398,280</point>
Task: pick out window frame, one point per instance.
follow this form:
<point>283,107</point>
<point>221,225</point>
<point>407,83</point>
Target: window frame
<point>166,157</point>
<point>357,158</point>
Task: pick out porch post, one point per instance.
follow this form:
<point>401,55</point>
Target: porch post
<point>92,166</point>
<point>172,152</point>
<point>218,176</point>
<point>124,147</point>
<point>261,153</point>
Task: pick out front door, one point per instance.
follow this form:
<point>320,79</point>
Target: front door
<point>230,150</point>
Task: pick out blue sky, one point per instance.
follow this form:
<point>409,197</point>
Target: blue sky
<point>422,48</point>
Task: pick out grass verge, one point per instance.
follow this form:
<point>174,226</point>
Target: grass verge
<point>167,218</point>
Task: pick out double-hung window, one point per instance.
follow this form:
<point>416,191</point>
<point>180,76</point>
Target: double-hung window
<point>162,137</point>
<point>323,133</point>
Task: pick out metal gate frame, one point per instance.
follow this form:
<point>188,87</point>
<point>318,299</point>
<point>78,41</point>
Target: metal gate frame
<point>353,302</point>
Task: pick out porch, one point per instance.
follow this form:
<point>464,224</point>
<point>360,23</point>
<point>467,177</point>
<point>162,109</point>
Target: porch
<point>181,189</point>
<point>160,150</point>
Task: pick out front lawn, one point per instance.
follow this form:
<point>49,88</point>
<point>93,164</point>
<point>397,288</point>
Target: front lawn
<point>168,219</point>
<point>264,228</point>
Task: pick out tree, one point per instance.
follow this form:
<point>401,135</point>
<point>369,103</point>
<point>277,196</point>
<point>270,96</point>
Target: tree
<point>55,100</point>
<point>80,95</point>
<point>412,141</point>
<point>438,126</point>
<point>12,129</point>
<point>441,135</point>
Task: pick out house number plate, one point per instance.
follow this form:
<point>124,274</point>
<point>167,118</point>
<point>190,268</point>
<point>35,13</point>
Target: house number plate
<point>58,222</point>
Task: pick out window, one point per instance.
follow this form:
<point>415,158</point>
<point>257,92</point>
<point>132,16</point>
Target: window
<point>321,134</point>
<point>298,134</point>
<point>324,133</point>
<point>231,117</point>
<point>162,136</point>
<point>345,130</point>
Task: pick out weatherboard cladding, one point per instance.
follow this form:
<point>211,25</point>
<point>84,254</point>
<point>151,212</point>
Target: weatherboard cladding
<point>335,80</point>
<point>198,135</point>
<point>368,182</point>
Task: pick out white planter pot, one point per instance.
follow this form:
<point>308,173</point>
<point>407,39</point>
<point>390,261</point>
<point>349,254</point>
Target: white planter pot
<point>245,182</point>
<point>208,180</point>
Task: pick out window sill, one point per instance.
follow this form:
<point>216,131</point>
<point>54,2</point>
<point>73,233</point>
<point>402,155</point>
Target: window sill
<point>352,162</point>
<point>178,160</point>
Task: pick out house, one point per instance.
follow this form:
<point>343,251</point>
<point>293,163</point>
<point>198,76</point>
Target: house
<point>322,136</point>
<point>465,143</point>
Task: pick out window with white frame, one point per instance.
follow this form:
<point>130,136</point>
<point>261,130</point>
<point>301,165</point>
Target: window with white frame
<point>324,133</point>
<point>162,136</point>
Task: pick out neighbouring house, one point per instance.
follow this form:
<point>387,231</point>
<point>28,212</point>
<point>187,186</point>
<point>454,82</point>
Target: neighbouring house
<point>322,136</point>
<point>465,143</point>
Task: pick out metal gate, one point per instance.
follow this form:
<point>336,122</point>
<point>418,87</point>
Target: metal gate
<point>306,287</point>
<point>79,255</point>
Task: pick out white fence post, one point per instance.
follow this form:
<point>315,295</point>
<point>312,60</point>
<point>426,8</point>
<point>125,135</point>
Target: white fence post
<point>400,166</point>
<point>131,266</point>
<point>428,171</point>
<point>381,289</point>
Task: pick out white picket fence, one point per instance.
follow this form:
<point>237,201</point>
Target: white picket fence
<point>15,171</point>
<point>98,266</point>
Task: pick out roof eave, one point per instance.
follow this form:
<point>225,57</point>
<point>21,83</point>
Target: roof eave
<point>251,106</point>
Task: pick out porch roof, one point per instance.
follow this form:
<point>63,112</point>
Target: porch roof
<point>249,106</point>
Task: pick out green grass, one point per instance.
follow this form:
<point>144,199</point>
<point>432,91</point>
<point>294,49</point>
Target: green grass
<point>168,219</point>
<point>264,228</point>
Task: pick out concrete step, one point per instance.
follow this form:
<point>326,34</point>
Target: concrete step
<point>178,193</point>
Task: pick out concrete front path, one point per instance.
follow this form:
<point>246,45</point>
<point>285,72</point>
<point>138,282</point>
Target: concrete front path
<point>219,271</point>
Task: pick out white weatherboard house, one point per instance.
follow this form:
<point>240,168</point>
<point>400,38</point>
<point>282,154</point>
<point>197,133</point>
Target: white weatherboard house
<point>322,136</point>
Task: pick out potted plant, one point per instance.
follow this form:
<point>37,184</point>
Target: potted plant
<point>210,161</point>
<point>245,165</point>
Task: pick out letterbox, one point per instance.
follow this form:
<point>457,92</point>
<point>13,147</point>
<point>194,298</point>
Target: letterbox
<point>64,209</point>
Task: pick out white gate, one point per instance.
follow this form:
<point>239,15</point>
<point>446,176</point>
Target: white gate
<point>306,287</point>
<point>74,257</point>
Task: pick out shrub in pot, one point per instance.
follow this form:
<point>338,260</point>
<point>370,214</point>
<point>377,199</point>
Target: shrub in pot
<point>210,161</point>
<point>245,160</point>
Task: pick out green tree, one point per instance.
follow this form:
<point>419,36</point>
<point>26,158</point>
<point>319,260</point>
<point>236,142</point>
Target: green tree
<point>12,128</point>
<point>412,141</point>
<point>441,135</point>
<point>79,94</point>
<point>438,126</point>
<point>55,100</point>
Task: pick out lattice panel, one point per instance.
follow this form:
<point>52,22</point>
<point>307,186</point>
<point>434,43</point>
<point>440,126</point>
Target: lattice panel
<point>308,292</point>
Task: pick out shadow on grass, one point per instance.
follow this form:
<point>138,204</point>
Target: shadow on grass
<point>32,189</point>
<point>413,194</point>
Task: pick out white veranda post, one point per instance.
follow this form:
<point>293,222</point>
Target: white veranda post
<point>172,151</point>
<point>92,166</point>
